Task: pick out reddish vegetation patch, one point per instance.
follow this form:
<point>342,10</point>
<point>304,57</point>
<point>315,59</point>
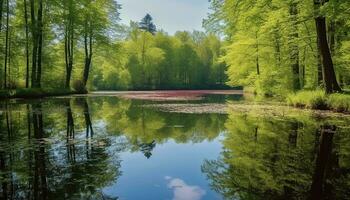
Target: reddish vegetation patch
<point>174,95</point>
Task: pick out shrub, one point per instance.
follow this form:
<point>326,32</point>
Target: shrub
<point>319,100</point>
<point>339,102</point>
<point>79,86</point>
<point>34,92</point>
<point>308,99</point>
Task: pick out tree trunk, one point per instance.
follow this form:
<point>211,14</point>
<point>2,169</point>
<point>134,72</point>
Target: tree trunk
<point>294,49</point>
<point>10,83</point>
<point>319,67</point>
<point>331,36</point>
<point>1,7</point>
<point>329,78</point>
<point>27,42</point>
<point>40,43</point>
<point>277,37</point>
<point>302,76</point>
<point>69,47</point>
<point>34,42</point>
<point>37,40</point>
<point>88,52</point>
<point>66,52</point>
<point>257,56</point>
<point>6,42</point>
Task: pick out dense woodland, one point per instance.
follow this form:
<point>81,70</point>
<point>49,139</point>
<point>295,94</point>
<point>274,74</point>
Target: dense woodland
<point>279,46</point>
<point>273,46</point>
<point>81,44</point>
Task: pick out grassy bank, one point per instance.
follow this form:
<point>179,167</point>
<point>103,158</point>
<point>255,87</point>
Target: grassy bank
<point>35,93</point>
<point>319,100</point>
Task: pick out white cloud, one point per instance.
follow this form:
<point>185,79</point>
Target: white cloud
<point>182,191</point>
<point>170,15</point>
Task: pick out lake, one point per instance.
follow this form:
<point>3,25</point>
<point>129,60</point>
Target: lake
<point>107,146</point>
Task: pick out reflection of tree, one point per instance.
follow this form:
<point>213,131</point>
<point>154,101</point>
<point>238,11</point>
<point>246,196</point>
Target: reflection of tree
<point>91,169</point>
<point>40,187</point>
<point>70,133</point>
<point>322,163</point>
<point>89,129</point>
<point>146,148</point>
<point>3,178</point>
<point>70,121</point>
<point>7,130</point>
<point>146,126</point>
<point>276,160</point>
<point>32,167</point>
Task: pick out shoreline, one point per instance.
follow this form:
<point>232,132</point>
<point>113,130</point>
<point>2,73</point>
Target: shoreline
<point>35,93</point>
<point>178,95</point>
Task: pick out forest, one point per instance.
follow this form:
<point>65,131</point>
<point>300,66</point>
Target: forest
<point>292,49</point>
<point>82,44</point>
<point>277,47</point>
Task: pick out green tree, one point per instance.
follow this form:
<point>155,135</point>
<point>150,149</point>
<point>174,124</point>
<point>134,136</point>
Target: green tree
<point>36,15</point>
<point>262,34</point>
<point>147,24</point>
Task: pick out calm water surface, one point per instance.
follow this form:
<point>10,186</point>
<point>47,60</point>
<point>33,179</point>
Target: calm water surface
<point>112,148</point>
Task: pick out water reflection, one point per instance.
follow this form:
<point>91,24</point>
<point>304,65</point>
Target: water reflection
<point>267,157</point>
<point>36,166</point>
<point>105,147</point>
<point>71,148</point>
<point>183,191</point>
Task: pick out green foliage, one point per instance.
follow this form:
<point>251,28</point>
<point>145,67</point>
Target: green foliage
<point>35,92</point>
<point>273,157</point>
<point>308,99</point>
<point>272,45</point>
<point>319,100</point>
<point>83,40</point>
<point>59,19</point>
<point>158,61</point>
<point>339,102</point>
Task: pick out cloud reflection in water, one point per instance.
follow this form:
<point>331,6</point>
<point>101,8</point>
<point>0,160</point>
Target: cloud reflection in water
<point>183,191</point>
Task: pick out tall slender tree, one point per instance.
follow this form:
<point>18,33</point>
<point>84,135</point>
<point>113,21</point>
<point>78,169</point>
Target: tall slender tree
<point>69,40</point>
<point>37,42</point>
<point>6,57</point>
<point>88,35</point>
<point>26,41</point>
<point>294,49</point>
<point>1,10</point>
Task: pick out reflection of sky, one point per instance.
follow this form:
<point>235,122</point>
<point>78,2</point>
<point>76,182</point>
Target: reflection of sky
<point>151,179</point>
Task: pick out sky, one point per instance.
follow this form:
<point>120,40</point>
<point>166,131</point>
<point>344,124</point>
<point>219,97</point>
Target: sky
<point>169,15</point>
